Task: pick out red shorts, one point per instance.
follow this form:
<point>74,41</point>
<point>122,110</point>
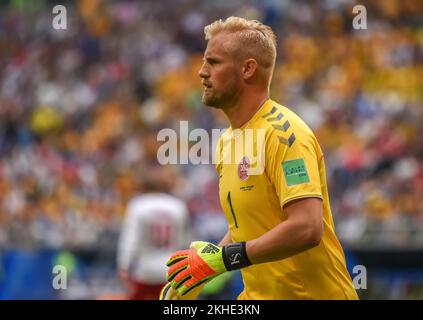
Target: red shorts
<point>144,291</point>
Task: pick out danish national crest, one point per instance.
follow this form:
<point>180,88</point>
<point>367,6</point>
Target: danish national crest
<point>243,168</point>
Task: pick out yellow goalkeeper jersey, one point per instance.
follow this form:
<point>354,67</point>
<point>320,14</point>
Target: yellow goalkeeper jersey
<point>273,159</point>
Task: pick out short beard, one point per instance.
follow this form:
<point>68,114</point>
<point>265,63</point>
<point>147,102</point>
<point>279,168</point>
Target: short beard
<point>212,102</point>
<point>223,102</point>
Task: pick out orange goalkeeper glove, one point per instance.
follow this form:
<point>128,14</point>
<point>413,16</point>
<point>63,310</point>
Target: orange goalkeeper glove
<point>202,262</point>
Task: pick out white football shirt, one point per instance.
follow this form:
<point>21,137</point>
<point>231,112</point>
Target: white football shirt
<point>155,226</point>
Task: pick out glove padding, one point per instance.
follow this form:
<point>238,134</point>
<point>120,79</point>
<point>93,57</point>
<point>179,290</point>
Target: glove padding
<point>194,267</point>
<point>168,293</point>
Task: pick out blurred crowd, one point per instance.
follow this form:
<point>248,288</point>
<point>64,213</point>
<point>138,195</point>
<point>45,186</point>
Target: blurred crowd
<point>80,110</point>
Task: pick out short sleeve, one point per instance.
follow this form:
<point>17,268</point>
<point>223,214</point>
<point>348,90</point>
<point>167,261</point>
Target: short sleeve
<point>293,167</point>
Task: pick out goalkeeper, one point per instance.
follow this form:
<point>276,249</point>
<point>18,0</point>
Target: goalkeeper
<point>281,231</point>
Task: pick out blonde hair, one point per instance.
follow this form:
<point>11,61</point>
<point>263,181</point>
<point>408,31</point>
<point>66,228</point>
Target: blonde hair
<point>256,40</point>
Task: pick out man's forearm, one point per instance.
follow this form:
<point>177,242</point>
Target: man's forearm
<point>285,240</point>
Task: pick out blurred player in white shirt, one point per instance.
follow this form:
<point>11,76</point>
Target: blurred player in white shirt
<point>155,225</point>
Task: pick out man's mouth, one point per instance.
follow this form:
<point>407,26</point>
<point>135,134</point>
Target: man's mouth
<point>207,85</point>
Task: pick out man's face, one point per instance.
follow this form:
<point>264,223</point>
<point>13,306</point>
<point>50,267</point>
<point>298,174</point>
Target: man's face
<point>220,73</point>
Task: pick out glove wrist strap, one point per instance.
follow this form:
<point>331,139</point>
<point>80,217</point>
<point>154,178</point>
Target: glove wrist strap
<point>235,256</point>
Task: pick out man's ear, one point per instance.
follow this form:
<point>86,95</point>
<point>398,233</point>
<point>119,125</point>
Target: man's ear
<point>249,68</point>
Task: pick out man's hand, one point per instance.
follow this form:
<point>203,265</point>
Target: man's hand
<point>202,262</point>
<point>168,293</point>
<point>193,267</point>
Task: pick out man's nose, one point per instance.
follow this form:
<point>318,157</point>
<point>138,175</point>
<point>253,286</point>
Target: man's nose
<point>203,72</point>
